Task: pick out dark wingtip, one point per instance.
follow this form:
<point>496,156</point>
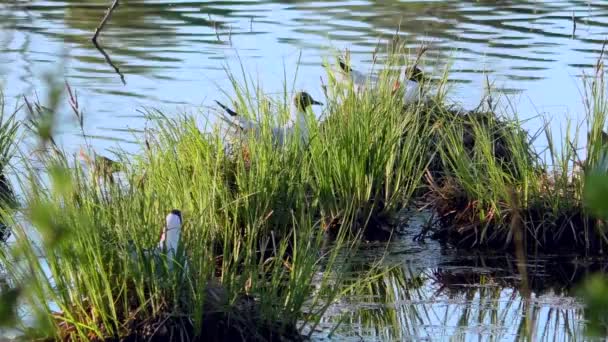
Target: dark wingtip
<point>228,110</point>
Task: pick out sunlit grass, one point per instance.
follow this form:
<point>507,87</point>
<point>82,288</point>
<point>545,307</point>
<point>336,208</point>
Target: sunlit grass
<point>255,217</point>
<point>497,183</point>
<point>256,214</point>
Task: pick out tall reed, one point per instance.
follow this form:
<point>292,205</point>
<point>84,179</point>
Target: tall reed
<point>254,214</point>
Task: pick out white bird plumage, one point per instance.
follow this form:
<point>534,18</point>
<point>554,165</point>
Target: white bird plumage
<point>168,243</point>
<point>301,102</point>
<point>410,77</point>
<point>171,233</point>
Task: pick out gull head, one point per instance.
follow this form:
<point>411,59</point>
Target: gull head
<point>413,73</point>
<point>302,100</point>
<point>170,236</point>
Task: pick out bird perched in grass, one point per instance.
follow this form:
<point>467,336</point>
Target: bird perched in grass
<point>168,242</point>
<point>409,81</point>
<point>412,82</point>
<point>301,102</point>
<point>171,233</point>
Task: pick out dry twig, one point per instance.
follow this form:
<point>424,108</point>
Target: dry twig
<point>105,19</point>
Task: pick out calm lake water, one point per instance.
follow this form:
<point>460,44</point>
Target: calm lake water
<point>173,55</point>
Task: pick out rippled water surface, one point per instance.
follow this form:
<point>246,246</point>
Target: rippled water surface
<point>172,55</point>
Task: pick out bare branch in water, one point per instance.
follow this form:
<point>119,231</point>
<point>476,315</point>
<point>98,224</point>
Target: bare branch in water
<point>109,61</point>
<point>105,19</point>
<point>102,24</point>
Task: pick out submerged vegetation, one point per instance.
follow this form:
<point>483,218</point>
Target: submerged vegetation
<point>263,225</point>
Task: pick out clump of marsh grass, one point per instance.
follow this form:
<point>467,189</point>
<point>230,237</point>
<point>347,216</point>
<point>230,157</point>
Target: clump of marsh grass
<point>498,186</point>
<point>364,167</point>
<point>102,283</point>
<point>479,150</point>
<point>370,152</point>
<point>355,171</point>
<point>255,221</point>
<point>84,260</point>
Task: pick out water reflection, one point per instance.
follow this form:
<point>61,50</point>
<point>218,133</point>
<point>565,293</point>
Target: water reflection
<point>173,52</point>
<point>462,297</point>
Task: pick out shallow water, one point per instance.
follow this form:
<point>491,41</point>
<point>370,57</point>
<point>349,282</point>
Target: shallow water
<point>172,56</point>
<point>435,292</point>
